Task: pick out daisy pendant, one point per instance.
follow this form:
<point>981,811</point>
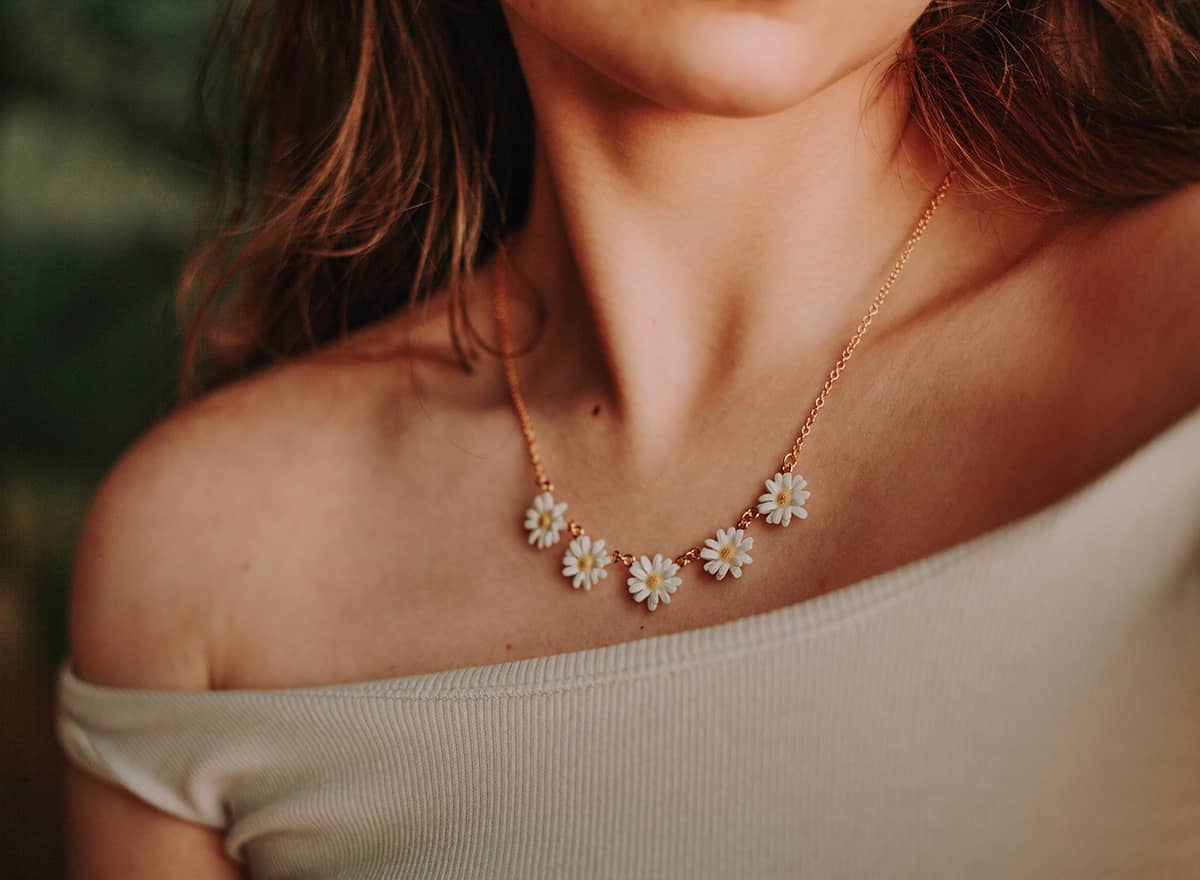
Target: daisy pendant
<point>785,497</point>
<point>654,580</point>
<point>727,553</point>
<point>545,520</point>
<point>585,561</point>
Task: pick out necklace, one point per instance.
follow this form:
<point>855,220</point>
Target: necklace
<point>654,579</point>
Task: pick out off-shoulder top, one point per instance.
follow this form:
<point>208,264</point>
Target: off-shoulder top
<point>1023,704</point>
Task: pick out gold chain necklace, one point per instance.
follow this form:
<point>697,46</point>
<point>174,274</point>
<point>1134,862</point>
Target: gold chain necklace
<point>654,579</point>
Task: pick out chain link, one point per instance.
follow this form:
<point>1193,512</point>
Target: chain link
<point>788,464</point>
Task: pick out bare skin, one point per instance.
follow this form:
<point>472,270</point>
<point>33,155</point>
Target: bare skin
<point>342,518</point>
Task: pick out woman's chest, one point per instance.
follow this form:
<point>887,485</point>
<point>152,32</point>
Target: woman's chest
<point>931,438</point>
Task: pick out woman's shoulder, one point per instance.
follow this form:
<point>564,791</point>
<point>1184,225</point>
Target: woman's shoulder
<point>1151,251</point>
<point>1129,290</point>
<point>257,484</point>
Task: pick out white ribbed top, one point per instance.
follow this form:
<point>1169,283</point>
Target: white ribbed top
<point>1024,704</point>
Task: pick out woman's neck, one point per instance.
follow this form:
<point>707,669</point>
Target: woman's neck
<point>691,256</point>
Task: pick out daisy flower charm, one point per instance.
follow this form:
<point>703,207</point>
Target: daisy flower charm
<point>654,579</point>
<point>726,554</point>
<point>785,496</point>
<point>545,520</point>
<point>585,560</point>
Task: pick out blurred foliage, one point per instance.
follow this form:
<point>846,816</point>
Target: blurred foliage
<point>101,176</point>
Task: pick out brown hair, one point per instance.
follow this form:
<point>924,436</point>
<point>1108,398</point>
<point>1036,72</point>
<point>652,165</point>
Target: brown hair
<point>382,147</point>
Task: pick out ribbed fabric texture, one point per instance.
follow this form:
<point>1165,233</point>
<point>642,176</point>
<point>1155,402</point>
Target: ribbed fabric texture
<point>1026,704</point>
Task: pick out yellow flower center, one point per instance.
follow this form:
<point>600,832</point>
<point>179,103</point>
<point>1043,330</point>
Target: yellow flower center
<point>587,562</point>
<point>653,580</point>
<point>727,552</point>
<point>544,520</point>
<point>783,498</point>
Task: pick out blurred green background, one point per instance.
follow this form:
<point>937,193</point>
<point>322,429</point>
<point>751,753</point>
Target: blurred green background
<point>101,178</point>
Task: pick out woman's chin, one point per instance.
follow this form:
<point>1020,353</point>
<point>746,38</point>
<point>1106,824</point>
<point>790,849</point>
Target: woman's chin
<point>754,69</point>
<point>733,94</point>
<point>743,66</point>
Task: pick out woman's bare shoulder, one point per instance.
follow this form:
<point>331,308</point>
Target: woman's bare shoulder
<point>250,487</point>
<point>1152,248</point>
<point>1137,294</point>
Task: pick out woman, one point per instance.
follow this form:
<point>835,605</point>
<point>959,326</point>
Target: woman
<point>332,619</point>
